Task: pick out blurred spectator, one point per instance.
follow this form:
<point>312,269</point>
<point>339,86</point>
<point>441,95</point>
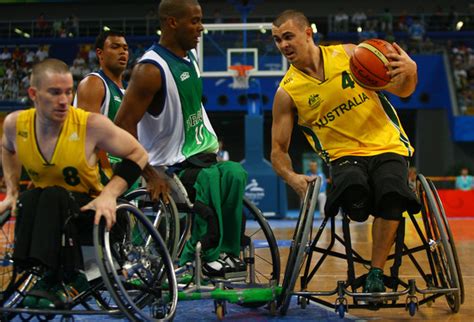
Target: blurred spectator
<point>313,172</point>
<point>404,21</point>
<point>222,155</point>
<point>416,33</point>
<point>341,21</point>
<point>372,21</point>
<point>41,26</point>
<point>57,27</point>
<point>386,21</point>
<point>79,60</point>
<point>29,57</point>
<point>358,19</point>
<point>18,56</point>
<point>42,53</point>
<point>464,181</point>
<point>5,55</point>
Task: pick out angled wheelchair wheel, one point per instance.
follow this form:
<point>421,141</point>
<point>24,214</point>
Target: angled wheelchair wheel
<point>136,266</point>
<point>445,266</point>
<point>300,240</point>
<point>163,216</point>
<point>259,251</point>
<point>13,282</point>
<point>450,237</point>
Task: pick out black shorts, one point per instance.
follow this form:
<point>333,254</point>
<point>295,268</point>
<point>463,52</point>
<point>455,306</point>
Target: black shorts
<point>370,185</point>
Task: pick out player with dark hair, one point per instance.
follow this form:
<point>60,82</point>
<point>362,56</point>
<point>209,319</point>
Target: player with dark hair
<point>162,107</point>
<point>355,130</point>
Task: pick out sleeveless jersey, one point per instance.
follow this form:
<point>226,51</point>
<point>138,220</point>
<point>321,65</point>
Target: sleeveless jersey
<point>339,117</point>
<point>113,95</point>
<point>182,129</point>
<point>110,106</point>
<point>68,167</point>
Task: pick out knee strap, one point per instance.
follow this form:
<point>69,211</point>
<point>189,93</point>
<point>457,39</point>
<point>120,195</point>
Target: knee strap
<point>211,240</point>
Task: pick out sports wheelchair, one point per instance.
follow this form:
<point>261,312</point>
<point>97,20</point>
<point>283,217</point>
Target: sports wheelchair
<point>255,287</point>
<point>433,256</point>
<point>131,275</point>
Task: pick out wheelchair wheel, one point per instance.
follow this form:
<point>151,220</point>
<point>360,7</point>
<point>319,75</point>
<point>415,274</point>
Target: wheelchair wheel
<point>450,236</point>
<point>13,283</point>
<point>136,266</point>
<point>163,216</point>
<point>445,268</point>
<point>259,251</point>
<point>300,240</point>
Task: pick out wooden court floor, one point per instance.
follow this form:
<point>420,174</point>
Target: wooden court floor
<point>334,269</point>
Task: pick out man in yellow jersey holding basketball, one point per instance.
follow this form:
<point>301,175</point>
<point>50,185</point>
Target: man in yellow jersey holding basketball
<point>57,145</point>
<point>355,130</point>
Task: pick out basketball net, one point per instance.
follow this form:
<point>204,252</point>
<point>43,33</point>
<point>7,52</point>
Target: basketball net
<point>240,75</point>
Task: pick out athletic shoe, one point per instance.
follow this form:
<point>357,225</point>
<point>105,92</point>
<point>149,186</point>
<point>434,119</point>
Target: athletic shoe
<point>33,295</point>
<point>63,293</point>
<point>374,281</point>
<point>217,268</point>
<point>235,263</point>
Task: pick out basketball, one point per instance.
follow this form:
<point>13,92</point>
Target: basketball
<point>368,61</point>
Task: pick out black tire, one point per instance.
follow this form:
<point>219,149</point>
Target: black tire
<point>445,274</point>
<point>450,236</point>
<point>265,271</point>
<point>300,240</point>
<point>136,266</point>
<point>164,217</point>
<point>13,283</point>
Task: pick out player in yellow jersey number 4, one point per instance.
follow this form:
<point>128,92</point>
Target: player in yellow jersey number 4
<point>355,130</point>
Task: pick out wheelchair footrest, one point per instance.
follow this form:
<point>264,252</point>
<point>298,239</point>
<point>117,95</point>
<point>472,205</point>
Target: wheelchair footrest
<point>235,275</point>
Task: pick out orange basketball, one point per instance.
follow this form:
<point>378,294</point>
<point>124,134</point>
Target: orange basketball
<point>368,61</point>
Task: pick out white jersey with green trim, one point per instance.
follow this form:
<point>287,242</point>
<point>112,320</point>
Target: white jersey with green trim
<point>182,129</point>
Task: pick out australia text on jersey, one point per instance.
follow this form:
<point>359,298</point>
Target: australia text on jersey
<point>339,110</point>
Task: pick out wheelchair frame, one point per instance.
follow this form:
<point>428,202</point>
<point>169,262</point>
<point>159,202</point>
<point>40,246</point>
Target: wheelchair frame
<point>246,290</point>
<point>437,243</point>
<point>112,279</point>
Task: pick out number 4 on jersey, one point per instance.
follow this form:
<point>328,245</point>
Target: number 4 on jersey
<point>347,80</point>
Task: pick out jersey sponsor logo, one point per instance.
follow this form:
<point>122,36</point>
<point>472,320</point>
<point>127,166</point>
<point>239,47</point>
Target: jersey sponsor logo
<point>314,100</point>
<point>288,81</point>
<point>74,137</point>
<point>339,110</point>
<point>117,99</point>
<point>23,134</point>
<point>184,76</point>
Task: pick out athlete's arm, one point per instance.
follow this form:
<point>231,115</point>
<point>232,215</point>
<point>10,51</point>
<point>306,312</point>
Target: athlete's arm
<point>282,127</point>
<point>144,84</point>
<point>102,134</point>
<point>90,94</point>
<point>404,75</point>
<point>11,164</point>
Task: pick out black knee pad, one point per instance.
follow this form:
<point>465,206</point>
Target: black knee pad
<point>355,202</point>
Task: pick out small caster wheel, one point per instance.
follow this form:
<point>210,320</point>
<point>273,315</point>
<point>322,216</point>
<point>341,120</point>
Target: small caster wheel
<point>412,308</point>
<point>220,310</point>
<point>340,310</point>
<point>303,302</point>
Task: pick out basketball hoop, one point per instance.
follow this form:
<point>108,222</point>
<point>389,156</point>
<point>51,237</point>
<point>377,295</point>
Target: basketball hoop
<point>240,75</point>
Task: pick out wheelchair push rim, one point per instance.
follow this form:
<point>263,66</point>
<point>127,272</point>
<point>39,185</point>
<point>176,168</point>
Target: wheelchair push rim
<point>445,268</point>
<point>138,270</point>
<point>300,240</point>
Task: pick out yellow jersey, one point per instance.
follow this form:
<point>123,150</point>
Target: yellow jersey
<point>68,167</point>
<point>339,117</point>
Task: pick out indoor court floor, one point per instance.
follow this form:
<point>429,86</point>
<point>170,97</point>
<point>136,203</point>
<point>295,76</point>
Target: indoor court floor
<point>335,269</point>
